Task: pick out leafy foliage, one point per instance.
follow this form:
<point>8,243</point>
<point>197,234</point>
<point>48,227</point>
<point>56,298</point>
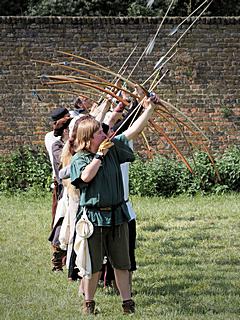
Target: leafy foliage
<point>157,177</point>
<point>229,169</point>
<point>203,178</point>
<point>78,8</point>
<point>29,168</point>
<point>183,8</point>
<point>115,8</point>
<point>158,8</point>
<point>167,177</point>
<point>13,7</point>
<point>24,169</point>
<point>225,8</point>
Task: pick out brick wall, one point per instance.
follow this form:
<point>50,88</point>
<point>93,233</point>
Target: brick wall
<point>203,80</point>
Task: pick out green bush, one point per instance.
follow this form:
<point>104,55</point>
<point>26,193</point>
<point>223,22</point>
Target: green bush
<point>201,180</point>
<point>168,173</point>
<point>29,169</point>
<point>24,169</point>
<point>229,169</point>
<point>166,177</point>
<point>156,177</point>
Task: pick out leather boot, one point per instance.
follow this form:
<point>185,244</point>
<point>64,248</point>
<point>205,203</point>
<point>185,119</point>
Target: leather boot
<point>128,306</point>
<point>89,307</point>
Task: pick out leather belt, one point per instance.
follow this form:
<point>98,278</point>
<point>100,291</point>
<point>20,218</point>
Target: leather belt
<point>105,209</point>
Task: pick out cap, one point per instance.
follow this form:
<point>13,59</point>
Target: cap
<point>59,113</point>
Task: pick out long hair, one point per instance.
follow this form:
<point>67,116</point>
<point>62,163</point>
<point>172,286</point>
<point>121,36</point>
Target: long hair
<point>69,147</point>
<point>83,132</point>
<point>66,155</point>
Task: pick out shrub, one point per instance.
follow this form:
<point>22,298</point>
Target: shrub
<point>166,177</point>
<point>168,173</point>
<point>25,168</point>
<point>156,177</point>
<point>29,168</point>
<point>228,166</point>
<point>201,180</point>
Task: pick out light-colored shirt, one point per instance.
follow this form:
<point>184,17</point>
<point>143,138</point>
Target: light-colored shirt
<point>125,178</point>
<point>49,141</point>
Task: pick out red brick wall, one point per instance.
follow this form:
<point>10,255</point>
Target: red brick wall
<point>203,80</point>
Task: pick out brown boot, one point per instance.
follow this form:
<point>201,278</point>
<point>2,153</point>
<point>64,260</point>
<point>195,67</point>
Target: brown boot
<point>89,307</point>
<point>128,306</point>
<point>57,258</point>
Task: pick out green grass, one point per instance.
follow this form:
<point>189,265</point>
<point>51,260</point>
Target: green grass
<point>188,253</point>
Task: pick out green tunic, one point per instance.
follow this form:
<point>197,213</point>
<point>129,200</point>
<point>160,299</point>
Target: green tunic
<point>105,190</point>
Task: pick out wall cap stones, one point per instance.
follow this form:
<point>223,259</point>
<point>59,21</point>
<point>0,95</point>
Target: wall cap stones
<point>111,20</point>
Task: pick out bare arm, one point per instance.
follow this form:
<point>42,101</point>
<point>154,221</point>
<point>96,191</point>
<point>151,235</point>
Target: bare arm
<point>91,170</point>
<point>112,117</point>
<point>100,111</point>
<point>141,122</point>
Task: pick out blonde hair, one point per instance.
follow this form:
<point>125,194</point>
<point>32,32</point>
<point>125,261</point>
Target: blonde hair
<point>85,131</point>
<point>66,157</point>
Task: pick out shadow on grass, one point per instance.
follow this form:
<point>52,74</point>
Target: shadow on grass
<point>155,227</point>
<point>188,297</point>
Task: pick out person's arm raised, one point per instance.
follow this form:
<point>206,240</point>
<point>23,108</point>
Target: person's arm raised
<point>149,105</point>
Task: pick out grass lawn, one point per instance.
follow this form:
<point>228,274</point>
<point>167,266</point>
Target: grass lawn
<point>188,254</point>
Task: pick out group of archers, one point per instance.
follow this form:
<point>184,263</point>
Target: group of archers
<point>93,230</point>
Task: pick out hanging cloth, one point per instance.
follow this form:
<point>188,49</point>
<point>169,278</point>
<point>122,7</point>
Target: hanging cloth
<point>84,229</point>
